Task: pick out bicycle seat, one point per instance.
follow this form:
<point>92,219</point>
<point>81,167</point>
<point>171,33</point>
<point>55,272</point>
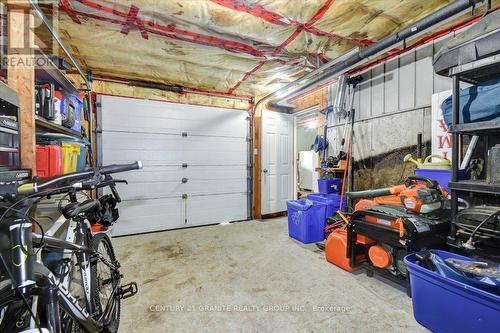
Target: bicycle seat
<point>75,208</point>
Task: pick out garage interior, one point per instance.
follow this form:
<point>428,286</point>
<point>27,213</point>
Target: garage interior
<point>288,166</point>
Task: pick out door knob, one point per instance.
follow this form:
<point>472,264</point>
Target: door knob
<point>265,170</point>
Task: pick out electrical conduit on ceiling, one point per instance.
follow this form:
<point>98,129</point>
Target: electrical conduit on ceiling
<point>398,52</point>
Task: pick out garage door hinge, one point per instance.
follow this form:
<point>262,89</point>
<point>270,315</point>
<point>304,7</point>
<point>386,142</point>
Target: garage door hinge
<point>184,196</point>
<point>184,134</point>
<point>98,104</point>
<point>184,165</point>
<point>247,118</point>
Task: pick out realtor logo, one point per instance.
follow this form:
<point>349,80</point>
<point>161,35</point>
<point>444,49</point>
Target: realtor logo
<point>24,36</point>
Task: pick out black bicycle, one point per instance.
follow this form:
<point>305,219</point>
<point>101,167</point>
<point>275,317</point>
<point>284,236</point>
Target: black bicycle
<point>61,284</point>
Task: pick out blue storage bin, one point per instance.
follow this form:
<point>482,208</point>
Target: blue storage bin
<point>442,176</point>
<point>332,202</point>
<point>331,185</point>
<point>306,220</point>
<point>81,163</point>
<point>78,113</point>
<point>444,305</point>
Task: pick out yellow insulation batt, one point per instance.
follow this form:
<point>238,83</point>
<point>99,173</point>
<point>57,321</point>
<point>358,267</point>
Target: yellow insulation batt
<point>242,47</point>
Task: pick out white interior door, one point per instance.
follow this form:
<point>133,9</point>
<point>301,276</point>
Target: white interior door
<point>194,157</point>
<point>277,161</point>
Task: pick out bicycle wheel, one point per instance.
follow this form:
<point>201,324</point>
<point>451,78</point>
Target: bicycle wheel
<point>14,317</point>
<point>105,281</point>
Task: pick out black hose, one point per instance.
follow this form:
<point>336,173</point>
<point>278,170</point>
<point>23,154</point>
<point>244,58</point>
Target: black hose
<point>481,224</point>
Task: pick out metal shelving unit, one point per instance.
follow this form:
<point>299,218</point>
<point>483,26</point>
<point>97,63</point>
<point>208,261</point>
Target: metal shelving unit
<point>473,72</point>
<point>474,128</point>
<point>475,186</point>
<point>50,126</point>
<point>49,72</point>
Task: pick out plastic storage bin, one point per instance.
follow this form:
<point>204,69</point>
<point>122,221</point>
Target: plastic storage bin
<point>78,104</point>
<point>71,151</point>
<point>330,185</point>
<point>306,220</point>
<point>444,305</point>
<point>443,177</point>
<point>49,160</point>
<point>81,163</point>
<point>332,202</point>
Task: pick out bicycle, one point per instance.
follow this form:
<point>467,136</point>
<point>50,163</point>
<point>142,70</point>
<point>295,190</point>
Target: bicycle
<point>35,289</point>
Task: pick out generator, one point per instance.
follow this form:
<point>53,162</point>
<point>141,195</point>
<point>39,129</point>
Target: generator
<point>389,223</point>
<point>388,233</point>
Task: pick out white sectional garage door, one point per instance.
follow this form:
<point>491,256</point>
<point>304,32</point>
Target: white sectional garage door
<point>195,162</point>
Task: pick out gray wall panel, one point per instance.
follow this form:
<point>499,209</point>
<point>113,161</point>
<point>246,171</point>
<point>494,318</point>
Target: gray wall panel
<point>378,90</point>
<point>365,96</point>
<point>424,74</point>
<point>407,81</point>
<point>396,96</point>
<point>391,82</point>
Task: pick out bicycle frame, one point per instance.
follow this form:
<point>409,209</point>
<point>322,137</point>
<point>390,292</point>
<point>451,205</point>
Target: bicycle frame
<point>57,290</point>
<point>30,277</point>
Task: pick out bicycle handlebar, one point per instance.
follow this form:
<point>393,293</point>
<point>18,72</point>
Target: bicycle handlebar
<point>115,168</point>
<point>35,187</point>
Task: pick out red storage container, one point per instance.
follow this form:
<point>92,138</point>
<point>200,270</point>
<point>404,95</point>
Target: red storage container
<point>49,161</point>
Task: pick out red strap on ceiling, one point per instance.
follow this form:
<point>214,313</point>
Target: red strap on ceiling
<point>198,38</point>
<point>275,18</point>
<point>320,33</point>
<point>318,15</point>
<point>65,4</point>
<point>133,20</point>
<point>254,10</point>
<point>288,40</point>
<point>246,76</point>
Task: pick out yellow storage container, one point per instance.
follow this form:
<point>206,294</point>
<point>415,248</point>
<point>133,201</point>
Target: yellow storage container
<point>70,156</point>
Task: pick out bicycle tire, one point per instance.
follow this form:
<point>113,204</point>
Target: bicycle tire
<point>14,308</point>
<point>96,242</point>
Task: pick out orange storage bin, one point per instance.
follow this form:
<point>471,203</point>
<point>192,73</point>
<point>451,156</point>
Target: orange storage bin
<point>49,161</point>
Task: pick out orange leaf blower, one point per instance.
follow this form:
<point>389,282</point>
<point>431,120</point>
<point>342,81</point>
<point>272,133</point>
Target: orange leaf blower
<point>418,194</point>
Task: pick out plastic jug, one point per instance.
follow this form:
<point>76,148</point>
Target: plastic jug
<point>442,164</point>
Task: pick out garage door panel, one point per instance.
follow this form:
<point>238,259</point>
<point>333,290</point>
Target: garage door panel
<point>167,142</point>
<point>217,208</point>
<point>149,215</point>
<point>134,191</point>
<point>174,150</point>
<point>129,115</point>
<point>174,157</point>
<point>193,173</point>
<point>214,152</point>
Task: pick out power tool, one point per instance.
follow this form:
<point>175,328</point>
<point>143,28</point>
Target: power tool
<point>417,194</point>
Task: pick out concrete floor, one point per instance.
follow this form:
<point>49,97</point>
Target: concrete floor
<point>250,277</point>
